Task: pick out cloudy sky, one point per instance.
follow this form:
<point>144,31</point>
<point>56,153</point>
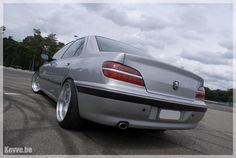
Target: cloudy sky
<point>197,37</point>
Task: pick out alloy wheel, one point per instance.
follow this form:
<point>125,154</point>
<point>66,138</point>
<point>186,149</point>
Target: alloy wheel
<point>63,102</point>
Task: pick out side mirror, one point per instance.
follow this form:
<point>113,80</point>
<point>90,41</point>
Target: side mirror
<point>46,57</point>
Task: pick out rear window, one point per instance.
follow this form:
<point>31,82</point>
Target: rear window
<point>109,45</point>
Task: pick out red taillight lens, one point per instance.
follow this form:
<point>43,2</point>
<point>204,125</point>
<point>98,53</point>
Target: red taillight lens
<point>200,94</point>
<point>122,72</point>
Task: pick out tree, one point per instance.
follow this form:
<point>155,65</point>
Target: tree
<point>37,32</point>
<point>219,95</point>
<point>51,44</point>
<point>11,53</point>
<point>34,46</point>
<point>3,29</point>
<point>230,95</point>
<point>26,54</point>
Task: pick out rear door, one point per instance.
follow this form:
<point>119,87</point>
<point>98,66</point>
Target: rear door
<point>62,66</point>
<point>47,74</point>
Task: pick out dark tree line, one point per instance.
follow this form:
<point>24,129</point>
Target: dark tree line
<point>26,54</point>
<point>219,95</point>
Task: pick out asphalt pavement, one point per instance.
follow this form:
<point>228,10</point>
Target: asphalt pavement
<point>30,121</point>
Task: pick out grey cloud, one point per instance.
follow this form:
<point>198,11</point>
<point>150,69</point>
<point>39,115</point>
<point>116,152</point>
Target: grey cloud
<point>191,36</point>
<point>151,23</point>
<point>147,24</point>
<point>159,42</point>
<point>117,17</point>
<point>154,39</point>
<point>216,83</point>
<point>96,7</point>
<point>143,42</point>
<point>226,44</point>
<point>206,57</point>
<point>193,19</point>
<point>213,77</point>
<point>120,17</point>
<point>228,55</point>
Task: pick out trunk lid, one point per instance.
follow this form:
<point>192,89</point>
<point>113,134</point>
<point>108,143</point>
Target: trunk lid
<point>164,79</point>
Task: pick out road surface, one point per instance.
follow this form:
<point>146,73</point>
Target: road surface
<point>30,121</point>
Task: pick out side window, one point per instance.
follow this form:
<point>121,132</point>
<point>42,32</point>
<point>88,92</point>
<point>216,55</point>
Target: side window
<point>60,53</point>
<point>73,48</point>
<point>79,51</point>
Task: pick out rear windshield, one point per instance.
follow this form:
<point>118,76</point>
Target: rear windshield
<point>109,45</point>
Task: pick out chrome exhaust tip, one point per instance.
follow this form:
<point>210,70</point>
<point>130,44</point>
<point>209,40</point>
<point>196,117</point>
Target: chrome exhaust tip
<point>123,125</point>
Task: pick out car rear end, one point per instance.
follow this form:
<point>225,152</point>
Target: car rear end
<point>139,92</point>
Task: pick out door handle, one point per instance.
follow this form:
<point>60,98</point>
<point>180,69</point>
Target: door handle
<point>67,64</point>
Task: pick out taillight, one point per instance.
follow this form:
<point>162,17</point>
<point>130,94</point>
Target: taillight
<point>122,72</point>
<point>200,94</point>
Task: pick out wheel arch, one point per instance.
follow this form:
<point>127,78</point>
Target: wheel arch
<point>65,79</point>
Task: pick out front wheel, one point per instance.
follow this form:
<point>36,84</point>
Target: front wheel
<point>67,111</point>
<point>35,84</point>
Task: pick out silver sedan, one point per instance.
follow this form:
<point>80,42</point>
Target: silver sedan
<point>109,82</point>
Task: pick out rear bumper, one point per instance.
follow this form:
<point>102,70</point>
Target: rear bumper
<point>109,107</point>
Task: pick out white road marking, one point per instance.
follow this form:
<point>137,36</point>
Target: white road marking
<point>11,93</point>
<point>8,93</point>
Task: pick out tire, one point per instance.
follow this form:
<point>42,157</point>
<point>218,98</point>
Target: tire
<point>35,83</point>
<point>67,110</point>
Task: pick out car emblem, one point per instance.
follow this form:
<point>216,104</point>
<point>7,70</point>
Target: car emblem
<point>175,85</point>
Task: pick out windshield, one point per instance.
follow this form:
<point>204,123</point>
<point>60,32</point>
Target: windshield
<point>109,45</point>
